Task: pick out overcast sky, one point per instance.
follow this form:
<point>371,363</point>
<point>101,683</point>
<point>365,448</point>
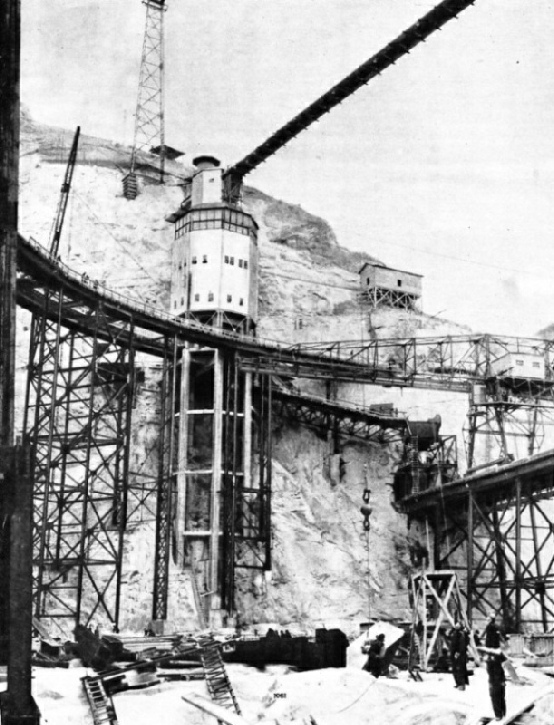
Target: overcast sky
<point>444,165</point>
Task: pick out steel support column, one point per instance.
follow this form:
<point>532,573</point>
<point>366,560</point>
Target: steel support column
<point>537,557</point>
<point>266,496</point>
<point>166,483</point>
<point>500,561</point>
<point>9,190</point>
<point>517,572</point>
<point>17,705</point>
<point>230,482</point>
<point>469,559</point>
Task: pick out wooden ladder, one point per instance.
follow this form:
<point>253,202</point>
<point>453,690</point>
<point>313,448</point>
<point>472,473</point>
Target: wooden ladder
<point>217,681</point>
<point>103,712</point>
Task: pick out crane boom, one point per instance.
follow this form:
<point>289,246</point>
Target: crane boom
<point>415,34</point>
<point>64,196</point>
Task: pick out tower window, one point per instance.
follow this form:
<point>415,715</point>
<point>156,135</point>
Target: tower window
<point>226,259</point>
<point>194,260</point>
<point>231,260</point>
<point>182,300</point>
<point>240,263</point>
<point>197,297</point>
<point>204,258</point>
<point>229,298</point>
<point>400,283</point>
<point>241,302</point>
<point>245,264</point>
<point>210,296</point>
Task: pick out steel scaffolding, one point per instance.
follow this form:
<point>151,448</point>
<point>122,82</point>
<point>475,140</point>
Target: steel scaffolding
<point>495,530</point>
<point>78,418</point>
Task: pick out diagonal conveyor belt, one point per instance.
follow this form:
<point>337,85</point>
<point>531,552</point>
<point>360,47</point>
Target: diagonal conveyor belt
<point>406,41</point>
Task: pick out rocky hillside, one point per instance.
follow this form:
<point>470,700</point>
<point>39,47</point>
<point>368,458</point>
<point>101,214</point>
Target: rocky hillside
<point>327,569</point>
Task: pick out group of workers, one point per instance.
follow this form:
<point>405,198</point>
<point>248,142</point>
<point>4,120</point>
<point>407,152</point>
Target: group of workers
<point>459,642</point>
<point>494,661</point>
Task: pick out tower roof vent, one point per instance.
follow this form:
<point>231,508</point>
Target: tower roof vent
<point>206,162</point>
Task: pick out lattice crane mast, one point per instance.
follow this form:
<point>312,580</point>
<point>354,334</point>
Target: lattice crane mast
<point>64,197</point>
<point>415,34</point>
<point>150,110</point>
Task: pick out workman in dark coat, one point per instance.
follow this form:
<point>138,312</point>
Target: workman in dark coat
<point>458,656</point>
<point>497,683</point>
<point>375,654</point>
<point>493,636</point>
<point>494,639</point>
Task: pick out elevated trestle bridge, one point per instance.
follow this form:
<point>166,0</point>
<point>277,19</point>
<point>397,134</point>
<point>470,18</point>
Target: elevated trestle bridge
<point>79,415</point>
<point>51,289</point>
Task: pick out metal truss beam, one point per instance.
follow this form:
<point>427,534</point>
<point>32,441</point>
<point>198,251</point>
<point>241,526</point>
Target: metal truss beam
<point>456,363</point>
<point>373,423</point>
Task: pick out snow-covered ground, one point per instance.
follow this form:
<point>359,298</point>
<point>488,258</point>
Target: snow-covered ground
<point>347,696</point>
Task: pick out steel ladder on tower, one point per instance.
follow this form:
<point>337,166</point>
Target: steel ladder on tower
<point>217,682</point>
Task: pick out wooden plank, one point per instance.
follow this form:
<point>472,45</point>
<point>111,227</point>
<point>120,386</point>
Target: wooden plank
<point>527,705</point>
<point>227,716</point>
<point>220,713</point>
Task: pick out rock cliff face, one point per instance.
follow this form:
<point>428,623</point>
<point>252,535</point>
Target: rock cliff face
<point>327,569</point>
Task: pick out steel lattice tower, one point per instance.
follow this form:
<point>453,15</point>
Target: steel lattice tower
<point>149,117</point>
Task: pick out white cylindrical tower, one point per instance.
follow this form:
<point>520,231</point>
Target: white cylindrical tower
<point>215,254</point>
